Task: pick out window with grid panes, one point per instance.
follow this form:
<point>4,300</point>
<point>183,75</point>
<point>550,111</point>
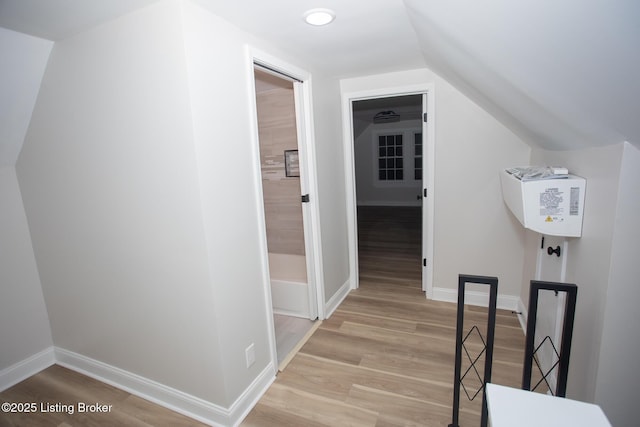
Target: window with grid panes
<point>390,159</point>
<point>417,158</point>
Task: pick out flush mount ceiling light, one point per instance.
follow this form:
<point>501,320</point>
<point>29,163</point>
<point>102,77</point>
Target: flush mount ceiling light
<point>386,117</point>
<point>319,17</point>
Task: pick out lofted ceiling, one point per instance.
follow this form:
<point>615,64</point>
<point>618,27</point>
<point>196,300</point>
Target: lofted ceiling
<point>565,72</point>
<point>561,74</point>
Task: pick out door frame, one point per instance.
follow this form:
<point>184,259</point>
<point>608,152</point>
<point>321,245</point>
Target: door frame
<point>428,178</point>
<point>308,185</point>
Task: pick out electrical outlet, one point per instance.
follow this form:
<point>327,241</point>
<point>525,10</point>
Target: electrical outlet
<point>250,354</point>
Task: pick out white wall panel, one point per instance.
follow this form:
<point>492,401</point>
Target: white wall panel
<point>108,178</point>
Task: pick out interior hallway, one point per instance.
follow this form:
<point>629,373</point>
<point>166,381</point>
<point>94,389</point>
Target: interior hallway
<point>385,357</point>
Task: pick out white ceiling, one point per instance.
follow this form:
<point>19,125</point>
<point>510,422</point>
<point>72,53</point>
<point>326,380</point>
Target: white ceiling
<point>367,36</point>
<point>562,74</point>
<point>566,72</point>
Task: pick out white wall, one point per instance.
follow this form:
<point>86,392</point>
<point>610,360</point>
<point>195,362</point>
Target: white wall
<point>24,323</point>
<point>219,95</point>
<point>368,190</point>
<point>474,231</point>
<point>23,60</point>
<point>331,179</point>
<point>588,257</point>
<point>108,175</point>
<point>603,263</point>
<point>618,377</point>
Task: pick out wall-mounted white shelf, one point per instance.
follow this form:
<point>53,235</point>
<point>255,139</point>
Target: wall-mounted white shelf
<point>548,206</point>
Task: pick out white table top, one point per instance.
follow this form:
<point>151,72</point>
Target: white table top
<point>510,407</point>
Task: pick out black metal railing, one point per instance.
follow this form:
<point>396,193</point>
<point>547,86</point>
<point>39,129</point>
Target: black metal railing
<point>486,347</point>
<point>562,356</point>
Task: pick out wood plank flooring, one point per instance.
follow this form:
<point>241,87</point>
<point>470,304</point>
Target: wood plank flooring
<point>58,385</point>
<point>389,245</point>
<point>385,357</point>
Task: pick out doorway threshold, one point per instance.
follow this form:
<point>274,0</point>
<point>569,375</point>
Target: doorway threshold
<point>291,334</point>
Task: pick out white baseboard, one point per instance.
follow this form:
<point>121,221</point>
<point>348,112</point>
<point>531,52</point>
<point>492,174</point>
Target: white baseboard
<point>168,397</point>
<point>290,313</point>
<point>522,317</point>
<point>505,302</point>
<point>22,370</point>
<point>290,298</point>
<point>336,299</point>
<point>252,394</point>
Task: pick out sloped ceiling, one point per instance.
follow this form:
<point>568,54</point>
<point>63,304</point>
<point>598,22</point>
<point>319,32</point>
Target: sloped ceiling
<point>561,74</point>
<point>57,19</point>
<point>27,29</point>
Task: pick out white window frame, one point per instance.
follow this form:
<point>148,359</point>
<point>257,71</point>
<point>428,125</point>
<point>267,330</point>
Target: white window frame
<point>408,156</point>
<point>413,145</point>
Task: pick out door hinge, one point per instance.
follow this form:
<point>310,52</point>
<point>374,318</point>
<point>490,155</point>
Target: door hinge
<point>425,193</point>
<point>305,198</point>
<point>424,117</point>
<point>424,262</point>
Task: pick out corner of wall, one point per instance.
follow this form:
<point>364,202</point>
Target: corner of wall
<point>23,369</point>
<point>25,328</point>
<point>337,298</point>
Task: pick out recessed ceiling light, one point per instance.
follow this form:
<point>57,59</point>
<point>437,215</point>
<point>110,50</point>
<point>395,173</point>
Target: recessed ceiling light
<point>319,16</point>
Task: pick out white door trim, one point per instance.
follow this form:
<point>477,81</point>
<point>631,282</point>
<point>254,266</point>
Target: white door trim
<point>308,182</point>
<point>428,177</point>
<point>428,181</point>
<point>309,185</point>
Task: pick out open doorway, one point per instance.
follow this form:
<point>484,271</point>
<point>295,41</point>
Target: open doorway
<point>292,287</point>
<point>399,168</point>
<point>387,147</point>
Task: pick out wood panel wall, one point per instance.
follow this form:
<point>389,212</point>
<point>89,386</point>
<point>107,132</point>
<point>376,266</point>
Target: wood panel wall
<point>283,210</point>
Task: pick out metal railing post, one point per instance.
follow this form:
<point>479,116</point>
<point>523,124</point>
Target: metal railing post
<point>492,282</point>
<point>571,291</point>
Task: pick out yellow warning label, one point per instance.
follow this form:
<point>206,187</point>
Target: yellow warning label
<point>549,219</point>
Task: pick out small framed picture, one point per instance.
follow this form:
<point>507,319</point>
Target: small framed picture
<point>291,163</point>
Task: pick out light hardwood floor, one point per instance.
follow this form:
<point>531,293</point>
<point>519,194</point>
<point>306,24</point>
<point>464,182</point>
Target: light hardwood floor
<point>389,245</point>
<point>58,385</point>
<point>385,357</point>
